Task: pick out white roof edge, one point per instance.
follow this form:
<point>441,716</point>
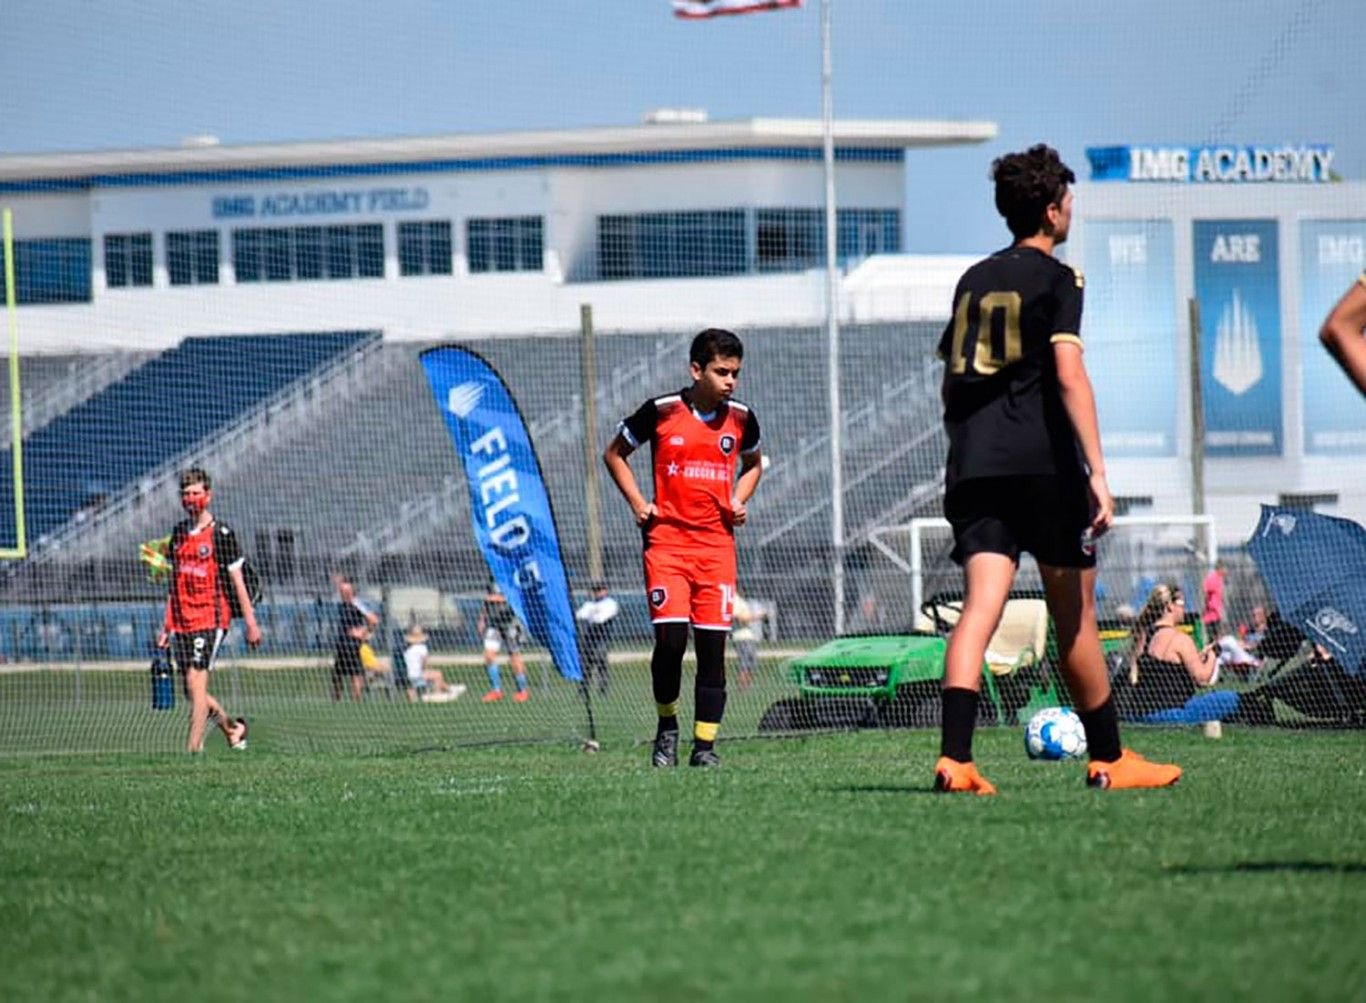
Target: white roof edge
<point>876,133</point>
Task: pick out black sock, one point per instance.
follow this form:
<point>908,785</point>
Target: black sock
<point>666,672</point>
<point>1102,731</point>
<point>960,717</point>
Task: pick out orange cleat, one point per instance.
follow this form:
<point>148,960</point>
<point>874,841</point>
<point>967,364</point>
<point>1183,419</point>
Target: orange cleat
<point>493,696</point>
<point>953,777</point>
<point>522,696</point>
<point>1131,770</point>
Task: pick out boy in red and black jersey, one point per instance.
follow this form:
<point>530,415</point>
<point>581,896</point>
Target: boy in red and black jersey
<point>205,561</point>
<point>697,438</point>
<point>1025,470</point>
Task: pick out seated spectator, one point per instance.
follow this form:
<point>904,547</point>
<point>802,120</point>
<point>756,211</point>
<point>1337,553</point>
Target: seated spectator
<point>421,676</point>
<point>1280,641</point>
<point>1314,685</point>
<point>1257,630</point>
<point>1165,669</point>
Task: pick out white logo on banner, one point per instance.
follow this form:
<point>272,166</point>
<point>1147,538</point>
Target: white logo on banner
<point>462,400</point>
<point>1329,621</point>
<point>1285,522</point>
<point>1237,354</point>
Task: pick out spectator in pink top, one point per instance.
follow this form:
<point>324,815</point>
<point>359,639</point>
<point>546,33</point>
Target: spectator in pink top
<point>1214,601</point>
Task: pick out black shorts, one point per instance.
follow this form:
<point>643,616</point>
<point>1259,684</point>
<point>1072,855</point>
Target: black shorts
<point>347,662</point>
<point>196,649</point>
<point>1046,515</point>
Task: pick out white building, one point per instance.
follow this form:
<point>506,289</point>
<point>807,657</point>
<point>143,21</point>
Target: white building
<point>676,224</point>
<point>460,236</point>
<point>1263,241</point>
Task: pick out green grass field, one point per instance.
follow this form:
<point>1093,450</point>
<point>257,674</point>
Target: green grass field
<point>817,868</point>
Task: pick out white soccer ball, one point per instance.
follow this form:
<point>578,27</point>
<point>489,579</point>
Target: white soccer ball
<point>1055,733</point>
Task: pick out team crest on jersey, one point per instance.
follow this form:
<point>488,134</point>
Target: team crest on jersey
<point>727,444</point>
<point>658,597</point>
<point>203,550</point>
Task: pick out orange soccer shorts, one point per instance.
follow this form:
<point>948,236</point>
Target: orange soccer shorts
<point>691,586</point>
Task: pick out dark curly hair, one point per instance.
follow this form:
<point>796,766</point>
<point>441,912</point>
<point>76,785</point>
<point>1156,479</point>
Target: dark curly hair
<point>715,343</point>
<point>1027,184</point>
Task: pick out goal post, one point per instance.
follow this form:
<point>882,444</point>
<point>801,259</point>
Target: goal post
<point>1164,533</point>
<point>18,550</point>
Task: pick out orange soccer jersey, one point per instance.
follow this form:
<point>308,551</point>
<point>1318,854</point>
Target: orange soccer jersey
<point>198,600</point>
<point>689,544</point>
<point>694,458</point>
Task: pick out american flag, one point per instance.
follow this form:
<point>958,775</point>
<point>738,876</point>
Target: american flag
<point>694,9</point>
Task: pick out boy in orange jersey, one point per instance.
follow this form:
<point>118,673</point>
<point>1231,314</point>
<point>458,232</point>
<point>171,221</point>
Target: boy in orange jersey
<point>698,437</point>
<point>206,561</point>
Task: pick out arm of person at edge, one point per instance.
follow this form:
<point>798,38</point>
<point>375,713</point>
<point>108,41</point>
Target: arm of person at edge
<point>252,630</point>
<point>1343,335</point>
<point>164,635</point>
<point>751,469</point>
<point>614,456</point>
<point>1079,400</point>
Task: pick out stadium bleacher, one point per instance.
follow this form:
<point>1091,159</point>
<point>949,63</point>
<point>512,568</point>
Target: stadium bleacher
<point>119,434</point>
<point>365,474</point>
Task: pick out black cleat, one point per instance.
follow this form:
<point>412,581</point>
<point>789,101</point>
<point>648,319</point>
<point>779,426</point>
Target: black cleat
<point>704,757</point>
<point>666,749</point>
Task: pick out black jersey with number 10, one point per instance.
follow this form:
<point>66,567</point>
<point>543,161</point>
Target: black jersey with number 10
<point>1002,408</point>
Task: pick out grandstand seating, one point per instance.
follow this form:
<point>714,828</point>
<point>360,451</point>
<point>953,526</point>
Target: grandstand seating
<point>155,414</point>
<point>54,384</point>
<point>365,474</point>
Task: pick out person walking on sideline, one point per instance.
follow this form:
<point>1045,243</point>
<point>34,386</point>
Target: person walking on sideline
<point>499,627</point>
<point>206,562</point>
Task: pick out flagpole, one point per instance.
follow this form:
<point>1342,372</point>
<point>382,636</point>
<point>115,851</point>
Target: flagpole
<point>832,325</point>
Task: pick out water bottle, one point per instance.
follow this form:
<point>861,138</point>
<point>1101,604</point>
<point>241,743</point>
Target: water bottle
<point>163,681</point>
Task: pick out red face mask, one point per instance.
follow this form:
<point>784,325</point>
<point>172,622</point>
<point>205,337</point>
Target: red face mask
<point>195,504</point>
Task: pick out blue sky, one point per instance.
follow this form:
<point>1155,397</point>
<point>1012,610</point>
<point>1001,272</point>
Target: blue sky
<point>80,75</point>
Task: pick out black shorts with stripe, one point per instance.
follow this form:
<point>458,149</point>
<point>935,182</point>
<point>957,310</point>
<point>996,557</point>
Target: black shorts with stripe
<point>196,649</point>
<point>1043,514</point>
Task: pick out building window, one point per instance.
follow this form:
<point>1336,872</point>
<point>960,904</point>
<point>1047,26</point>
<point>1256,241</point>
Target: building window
<point>507,244</point>
<point>192,257</point>
<point>791,240</point>
<point>861,232</point>
<point>127,259</point>
<point>1311,501</point>
<point>52,270</point>
<point>788,240</point>
<point>305,253</point>
<point>424,247</point>
<point>672,245</point>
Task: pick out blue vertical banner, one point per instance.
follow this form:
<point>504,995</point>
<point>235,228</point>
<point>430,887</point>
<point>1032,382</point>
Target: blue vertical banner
<point>1131,334</point>
<point>1332,257</point>
<point>1237,281</point>
<point>509,505</point>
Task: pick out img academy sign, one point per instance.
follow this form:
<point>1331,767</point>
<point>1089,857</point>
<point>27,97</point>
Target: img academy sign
<point>320,202</point>
<point>1312,164</point>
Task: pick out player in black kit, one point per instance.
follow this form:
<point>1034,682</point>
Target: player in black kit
<point>1025,470</point>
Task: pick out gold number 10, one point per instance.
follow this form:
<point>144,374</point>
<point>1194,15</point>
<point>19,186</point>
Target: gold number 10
<point>984,361</point>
